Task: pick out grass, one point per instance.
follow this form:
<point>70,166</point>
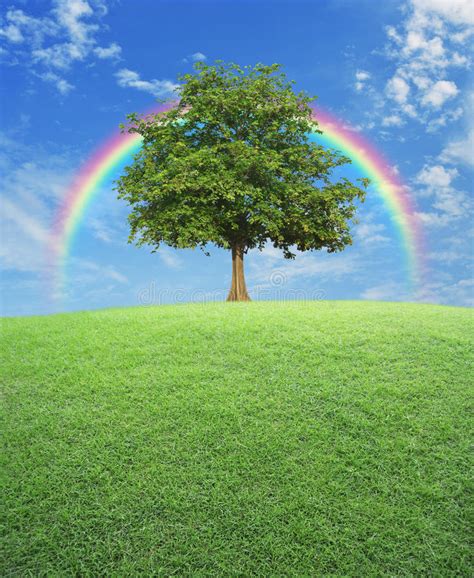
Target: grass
<point>269,439</point>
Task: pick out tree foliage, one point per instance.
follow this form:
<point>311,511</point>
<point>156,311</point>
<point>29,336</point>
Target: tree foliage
<point>232,164</point>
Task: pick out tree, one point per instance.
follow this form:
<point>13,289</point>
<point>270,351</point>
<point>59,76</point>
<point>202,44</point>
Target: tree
<point>232,164</point>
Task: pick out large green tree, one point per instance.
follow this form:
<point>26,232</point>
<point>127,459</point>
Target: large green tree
<point>232,164</point>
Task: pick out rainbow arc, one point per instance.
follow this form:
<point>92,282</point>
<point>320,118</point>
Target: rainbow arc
<point>104,163</point>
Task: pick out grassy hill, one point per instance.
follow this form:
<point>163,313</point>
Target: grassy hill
<point>270,439</point>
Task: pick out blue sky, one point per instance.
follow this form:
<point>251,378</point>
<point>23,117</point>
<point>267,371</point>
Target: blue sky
<point>398,71</point>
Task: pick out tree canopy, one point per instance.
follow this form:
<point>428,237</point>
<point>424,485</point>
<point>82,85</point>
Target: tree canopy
<point>232,164</point>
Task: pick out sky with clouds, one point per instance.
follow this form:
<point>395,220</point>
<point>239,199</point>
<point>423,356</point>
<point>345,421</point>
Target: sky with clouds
<point>399,72</point>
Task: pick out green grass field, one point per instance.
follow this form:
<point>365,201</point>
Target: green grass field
<point>261,439</point>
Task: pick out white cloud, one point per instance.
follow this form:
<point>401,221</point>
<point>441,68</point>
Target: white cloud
<point>20,27</point>
<point>86,272</point>
<point>54,43</point>
<point>460,150</point>
<point>452,204</point>
<point>63,86</point>
<point>362,75</point>
<point>459,60</point>
<point>439,93</point>
<point>431,219</point>
<point>447,256</point>
<point>170,258</point>
<point>370,233</point>
<point>59,56</point>
<point>426,46</point>
<point>112,51</point>
<point>26,222</point>
<point>421,81</point>
<point>34,182</point>
<point>71,14</point>
<point>409,110</point>
<point>393,120</point>
<point>23,238</point>
<point>390,291</point>
<point>195,57</point>
<point>113,274</point>
<point>444,291</point>
<point>459,12</point>
<point>268,266</point>
<point>74,20</point>
<point>436,176</point>
<point>29,189</point>
<point>431,51</point>
<point>458,292</point>
<point>398,89</point>
<point>12,33</point>
<point>448,203</point>
<point>198,56</point>
<point>463,36</point>
<point>130,79</point>
<point>444,118</point>
<point>101,230</point>
<point>361,78</point>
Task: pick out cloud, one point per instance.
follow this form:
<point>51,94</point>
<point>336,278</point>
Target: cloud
<point>458,292</point>
<point>393,120</point>
<point>444,118</point>
<point>362,75</point>
<point>398,89</point>
<point>33,182</point>
<point>458,12</point>
<point>198,56</point>
<point>62,85</point>
<point>23,238</point>
<point>361,78</point>
<point>127,78</point>
<point>49,46</point>
<point>459,151</point>
<point>113,274</point>
<point>70,15</point>
<point>370,233</point>
<point>439,92</point>
<point>431,219</point>
<point>59,56</point>
<point>87,272</point>
<point>269,265</point>
<point>426,47</point>
<point>448,203</point>
<point>170,258</point>
<point>101,230</point>
<point>436,176</point>
<point>112,52</point>
<point>27,223</point>
<point>448,256</point>
<point>195,57</point>
<point>19,28</point>
<point>390,291</point>
<point>12,33</point>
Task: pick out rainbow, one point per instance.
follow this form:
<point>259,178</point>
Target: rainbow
<point>104,163</point>
<point>385,180</point>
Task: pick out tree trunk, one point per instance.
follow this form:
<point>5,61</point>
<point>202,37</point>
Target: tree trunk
<point>238,290</point>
